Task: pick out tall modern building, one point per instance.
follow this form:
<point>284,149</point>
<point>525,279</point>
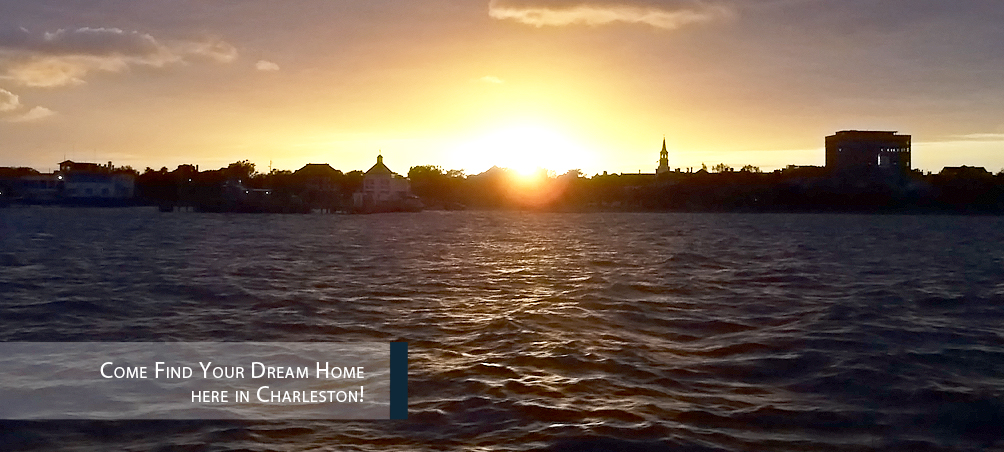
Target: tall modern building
<point>864,149</point>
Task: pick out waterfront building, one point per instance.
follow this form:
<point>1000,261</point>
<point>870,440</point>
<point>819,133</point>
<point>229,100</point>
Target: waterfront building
<point>94,181</point>
<point>320,177</point>
<point>965,172</point>
<point>858,150</point>
<point>43,188</point>
<point>384,190</point>
<point>75,181</point>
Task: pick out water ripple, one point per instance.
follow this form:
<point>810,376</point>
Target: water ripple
<point>635,332</point>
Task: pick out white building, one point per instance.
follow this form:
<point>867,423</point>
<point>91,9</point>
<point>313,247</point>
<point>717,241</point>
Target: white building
<point>39,187</point>
<point>383,190</point>
<point>93,181</point>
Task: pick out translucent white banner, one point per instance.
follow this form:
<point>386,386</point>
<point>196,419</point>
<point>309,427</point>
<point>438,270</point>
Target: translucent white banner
<point>196,380</point>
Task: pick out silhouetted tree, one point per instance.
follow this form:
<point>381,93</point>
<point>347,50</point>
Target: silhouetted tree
<point>720,168</point>
<point>127,169</point>
<point>156,186</point>
<point>427,181</point>
<point>353,181</point>
<point>241,170</point>
<point>435,186</point>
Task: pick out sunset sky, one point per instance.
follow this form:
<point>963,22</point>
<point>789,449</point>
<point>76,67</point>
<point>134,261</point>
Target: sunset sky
<point>593,85</point>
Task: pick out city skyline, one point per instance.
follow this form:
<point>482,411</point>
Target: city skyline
<point>589,85</point>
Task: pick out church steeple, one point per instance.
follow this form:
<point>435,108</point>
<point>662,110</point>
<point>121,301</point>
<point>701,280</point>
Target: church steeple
<point>379,168</point>
<point>663,158</point>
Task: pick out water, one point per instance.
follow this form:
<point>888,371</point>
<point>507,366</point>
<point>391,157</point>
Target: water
<point>604,331</point>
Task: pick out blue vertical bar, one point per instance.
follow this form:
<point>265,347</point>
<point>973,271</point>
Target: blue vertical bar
<point>399,380</point>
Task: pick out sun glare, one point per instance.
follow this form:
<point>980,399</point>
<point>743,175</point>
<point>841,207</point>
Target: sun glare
<point>524,149</point>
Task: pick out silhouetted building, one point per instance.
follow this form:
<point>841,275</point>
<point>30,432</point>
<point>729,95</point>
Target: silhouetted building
<point>384,191</point>
<point>94,181</point>
<point>78,182</point>
<point>40,187</point>
<point>318,176</point>
<point>866,149</point>
<point>803,171</point>
<point>663,159</point>
<point>968,172</point>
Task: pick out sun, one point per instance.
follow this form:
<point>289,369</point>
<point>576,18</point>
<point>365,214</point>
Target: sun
<point>525,148</point>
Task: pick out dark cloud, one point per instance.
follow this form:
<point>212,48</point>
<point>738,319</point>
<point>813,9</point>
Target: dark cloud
<point>14,37</point>
<point>64,56</point>
<point>849,16</point>
<point>669,14</point>
<point>97,42</point>
<point>568,4</point>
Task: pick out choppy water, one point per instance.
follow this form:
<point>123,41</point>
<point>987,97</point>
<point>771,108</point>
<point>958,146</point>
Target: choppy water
<point>603,331</point>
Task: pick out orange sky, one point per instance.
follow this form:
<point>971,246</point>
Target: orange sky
<point>465,85</point>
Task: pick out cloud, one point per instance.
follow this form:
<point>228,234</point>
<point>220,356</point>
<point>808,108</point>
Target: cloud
<point>978,137</point>
<point>90,42</point>
<point>51,71</point>
<point>12,110</point>
<point>263,65</point>
<point>491,79</point>
<point>665,14</point>
<point>213,49</point>
<point>64,57</point>
<point>35,114</point>
<point>8,101</point>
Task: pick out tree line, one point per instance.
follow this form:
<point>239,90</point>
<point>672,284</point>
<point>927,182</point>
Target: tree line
<point>968,190</point>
